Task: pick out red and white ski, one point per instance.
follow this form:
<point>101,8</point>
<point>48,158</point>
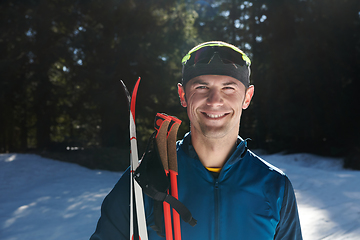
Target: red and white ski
<point>135,189</point>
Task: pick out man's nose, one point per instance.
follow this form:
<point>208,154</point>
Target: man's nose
<point>214,98</point>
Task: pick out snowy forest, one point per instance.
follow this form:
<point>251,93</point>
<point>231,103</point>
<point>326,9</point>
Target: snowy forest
<point>62,62</point>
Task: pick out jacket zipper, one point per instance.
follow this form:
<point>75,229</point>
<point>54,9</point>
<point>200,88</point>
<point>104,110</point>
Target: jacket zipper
<point>217,220</point>
<point>216,195</point>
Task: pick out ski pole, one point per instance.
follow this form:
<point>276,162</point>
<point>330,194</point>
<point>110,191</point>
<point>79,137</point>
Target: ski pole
<point>161,126</point>
<point>173,169</point>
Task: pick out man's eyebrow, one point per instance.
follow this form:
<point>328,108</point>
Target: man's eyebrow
<point>229,83</point>
<point>202,82</point>
<point>233,84</point>
<point>198,81</point>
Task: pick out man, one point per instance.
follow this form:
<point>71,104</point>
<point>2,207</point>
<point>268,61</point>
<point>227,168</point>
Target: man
<point>231,192</point>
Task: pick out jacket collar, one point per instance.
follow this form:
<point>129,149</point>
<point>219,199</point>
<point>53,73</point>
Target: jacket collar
<point>237,155</point>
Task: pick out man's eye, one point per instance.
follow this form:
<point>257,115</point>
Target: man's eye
<point>201,87</point>
<point>229,88</point>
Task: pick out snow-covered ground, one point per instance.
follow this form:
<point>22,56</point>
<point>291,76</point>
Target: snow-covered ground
<point>44,199</point>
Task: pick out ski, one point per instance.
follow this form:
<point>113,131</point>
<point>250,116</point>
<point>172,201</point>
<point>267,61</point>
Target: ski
<point>135,189</point>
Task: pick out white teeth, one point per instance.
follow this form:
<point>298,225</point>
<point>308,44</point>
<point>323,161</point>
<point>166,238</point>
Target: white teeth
<point>215,116</point>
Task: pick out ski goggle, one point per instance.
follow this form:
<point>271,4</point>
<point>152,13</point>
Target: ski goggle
<point>205,53</point>
<point>216,58</point>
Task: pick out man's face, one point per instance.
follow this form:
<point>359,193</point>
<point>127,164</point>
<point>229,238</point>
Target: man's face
<point>214,104</point>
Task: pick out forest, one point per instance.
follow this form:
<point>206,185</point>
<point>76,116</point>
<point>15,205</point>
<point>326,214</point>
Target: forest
<point>61,63</point>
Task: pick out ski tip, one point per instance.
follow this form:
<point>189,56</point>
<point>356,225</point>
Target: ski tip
<point>123,84</point>
<point>136,88</point>
<point>126,92</point>
<point>133,97</point>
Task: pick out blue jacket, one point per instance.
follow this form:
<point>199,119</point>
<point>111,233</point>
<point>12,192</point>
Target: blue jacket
<point>250,199</point>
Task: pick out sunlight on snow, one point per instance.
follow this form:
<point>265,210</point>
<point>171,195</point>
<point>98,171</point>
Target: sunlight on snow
<point>11,158</point>
<point>53,200</point>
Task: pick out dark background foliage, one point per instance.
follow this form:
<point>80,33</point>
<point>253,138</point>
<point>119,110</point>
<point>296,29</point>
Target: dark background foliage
<point>61,62</point>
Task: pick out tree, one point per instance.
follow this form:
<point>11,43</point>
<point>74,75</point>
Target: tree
<point>68,58</point>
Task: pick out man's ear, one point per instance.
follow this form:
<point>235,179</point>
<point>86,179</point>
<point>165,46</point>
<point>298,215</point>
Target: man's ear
<point>181,92</point>
<point>248,96</point>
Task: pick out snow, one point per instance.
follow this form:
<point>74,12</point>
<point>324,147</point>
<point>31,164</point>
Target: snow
<point>46,199</point>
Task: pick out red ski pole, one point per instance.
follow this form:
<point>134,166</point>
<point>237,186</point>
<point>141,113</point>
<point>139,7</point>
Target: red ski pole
<point>173,169</point>
<point>161,126</point>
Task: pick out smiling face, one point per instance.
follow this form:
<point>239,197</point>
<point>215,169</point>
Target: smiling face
<point>214,105</point>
